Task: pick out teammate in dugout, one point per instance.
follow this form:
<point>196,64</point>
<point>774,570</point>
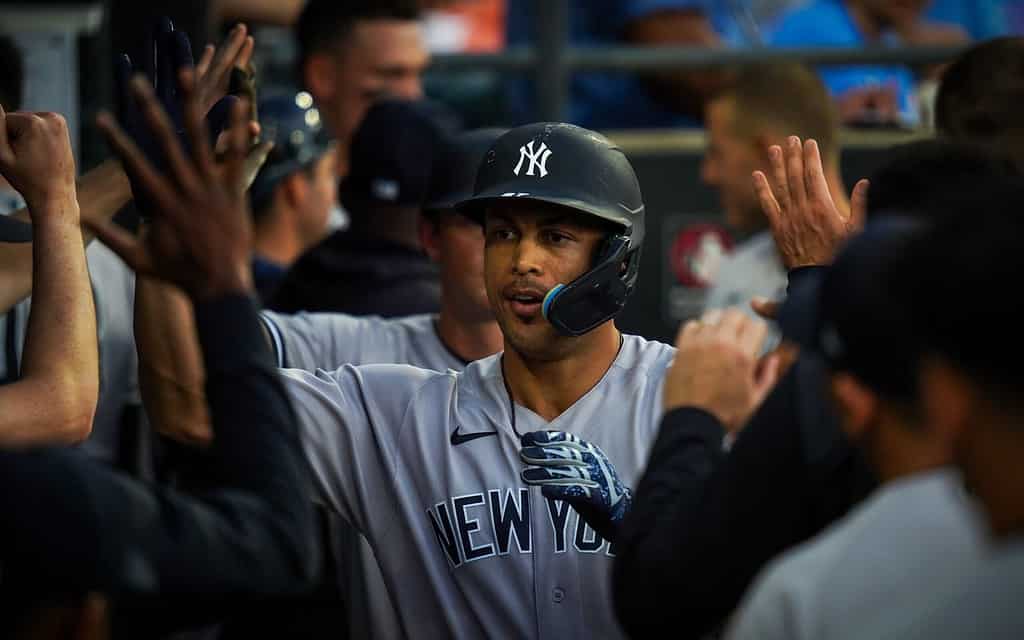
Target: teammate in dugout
<point>429,466</point>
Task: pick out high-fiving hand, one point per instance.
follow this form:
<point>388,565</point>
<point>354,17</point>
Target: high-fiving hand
<point>717,367</point>
<point>201,238</point>
<point>807,225</point>
<point>569,468</point>
<point>169,52</point>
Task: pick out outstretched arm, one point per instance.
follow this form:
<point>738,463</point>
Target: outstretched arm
<point>55,398</point>
<point>171,374</point>
<point>252,533</point>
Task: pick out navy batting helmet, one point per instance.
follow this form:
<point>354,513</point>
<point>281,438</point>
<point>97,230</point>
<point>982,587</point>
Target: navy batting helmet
<point>293,124</point>
<point>572,167</point>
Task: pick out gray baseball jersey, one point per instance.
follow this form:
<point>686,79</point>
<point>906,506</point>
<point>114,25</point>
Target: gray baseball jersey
<point>915,537</point>
<point>311,341</point>
<point>426,465</point>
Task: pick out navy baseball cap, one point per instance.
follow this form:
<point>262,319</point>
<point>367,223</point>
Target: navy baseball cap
<point>12,230</point>
<point>393,153</point>
<point>293,124</point>
<point>849,314</point>
<point>454,173</point>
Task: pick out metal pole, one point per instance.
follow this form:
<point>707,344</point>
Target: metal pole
<point>551,74</point>
<point>627,59</point>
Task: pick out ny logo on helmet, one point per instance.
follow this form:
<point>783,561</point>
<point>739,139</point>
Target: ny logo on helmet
<point>538,159</point>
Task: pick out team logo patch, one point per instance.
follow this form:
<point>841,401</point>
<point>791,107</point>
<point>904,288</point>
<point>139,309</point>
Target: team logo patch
<point>536,159</point>
<point>697,254</point>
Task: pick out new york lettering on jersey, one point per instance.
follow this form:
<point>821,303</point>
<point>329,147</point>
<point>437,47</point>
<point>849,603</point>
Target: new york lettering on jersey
<point>465,549</point>
<point>498,522</point>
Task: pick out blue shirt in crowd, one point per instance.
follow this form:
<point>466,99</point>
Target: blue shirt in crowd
<point>981,19</point>
<point>827,23</point>
<point>600,100</point>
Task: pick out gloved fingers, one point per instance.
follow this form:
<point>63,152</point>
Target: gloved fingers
<point>552,455</point>
<point>541,438</point>
<point>151,59</point>
<point>180,53</point>
<point>127,111</point>
<point>557,476</point>
<point>575,495</point>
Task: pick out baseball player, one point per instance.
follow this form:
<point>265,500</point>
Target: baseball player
<point>294,195</point>
<point>435,469</point>
<point>463,331</point>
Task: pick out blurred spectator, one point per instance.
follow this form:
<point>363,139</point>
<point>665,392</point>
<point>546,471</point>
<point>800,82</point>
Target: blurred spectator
<point>759,109</point>
<point>607,100</point>
<point>377,266</point>
<point>842,579</point>
<point>296,190</point>
<point>354,53</point>
<point>868,95</point>
<point>981,19</point>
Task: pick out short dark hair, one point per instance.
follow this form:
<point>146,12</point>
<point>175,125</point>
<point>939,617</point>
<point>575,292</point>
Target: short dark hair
<point>959,278</point>
<point>918,176</point>
<point>789,97</point>
<point>12,76</point>
<point>981,94</point>
<point>324,23</point>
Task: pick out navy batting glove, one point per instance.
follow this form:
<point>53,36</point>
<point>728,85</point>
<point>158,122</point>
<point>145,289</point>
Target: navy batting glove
<point>167,53</point>
<point>569,468</point>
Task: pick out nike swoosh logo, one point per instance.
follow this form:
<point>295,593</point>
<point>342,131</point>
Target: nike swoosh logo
<point>632,211</point>
<point>462,438</point>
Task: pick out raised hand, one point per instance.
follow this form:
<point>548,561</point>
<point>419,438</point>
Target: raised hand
<point>717,367</point>
<point>201,237</point>
<point>807,225</point>
<point>569,468</point>
<point>168,53</point>
<point>36,158</point>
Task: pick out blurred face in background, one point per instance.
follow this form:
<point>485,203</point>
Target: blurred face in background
<point>456,243</point>
<point>729,161</point>
<point>379,58</point>
<point>894,13</point>
<point>318,194</point>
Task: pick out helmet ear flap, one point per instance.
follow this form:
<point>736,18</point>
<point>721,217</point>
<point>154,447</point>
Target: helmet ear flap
<point>595,297</point>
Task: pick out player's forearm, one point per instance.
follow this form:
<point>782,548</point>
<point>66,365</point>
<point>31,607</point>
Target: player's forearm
<point>55,399</point>
<point>685,454</point>
<point>253,534</point>
<point>171,372</point>
<point>102,192</point>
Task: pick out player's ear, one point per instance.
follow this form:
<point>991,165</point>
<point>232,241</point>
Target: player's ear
<point>296,189</point>
<point>857,405</point>
<point>949,400</point>
<point>319,74</point>
<point>430,235</point>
